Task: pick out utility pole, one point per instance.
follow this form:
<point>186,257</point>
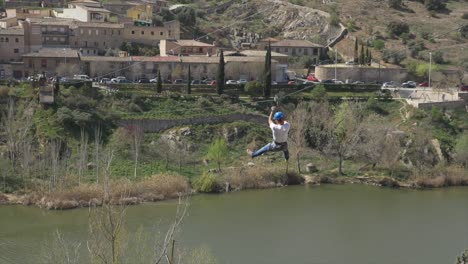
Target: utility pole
<point>430,66</point>
<point>336,61</point>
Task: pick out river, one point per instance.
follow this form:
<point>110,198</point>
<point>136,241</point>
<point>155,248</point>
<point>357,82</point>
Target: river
<point>350,224</point>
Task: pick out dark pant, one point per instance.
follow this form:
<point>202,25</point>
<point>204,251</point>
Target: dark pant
<point>273,146</point>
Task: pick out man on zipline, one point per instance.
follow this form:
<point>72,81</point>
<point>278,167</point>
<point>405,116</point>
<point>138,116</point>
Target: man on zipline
<point>280,129</point>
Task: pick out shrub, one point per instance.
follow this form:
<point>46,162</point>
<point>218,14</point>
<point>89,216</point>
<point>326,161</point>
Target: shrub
<point>415,47</point>
<point>394,3</point>
<point>378,44</point>
<point>254,88</point>
<point>334,19</point>
<point>393,56</point>
<point>4,91</point>
<point>435,5</point>
<point>397,28</point>
<point>206,183</point>
<point>465,15</point>
<point>204,102</point>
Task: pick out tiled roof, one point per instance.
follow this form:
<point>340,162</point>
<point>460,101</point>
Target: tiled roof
<point>261,53</point>
<point>18,31</point>
<point>296,43</point>
<point>193,43</point>
<point>52,21</point>
<point>95,9</point>
<point>106,58</point>
<point>54,53</point>
<point>157,58</point>
<point>96,24</point>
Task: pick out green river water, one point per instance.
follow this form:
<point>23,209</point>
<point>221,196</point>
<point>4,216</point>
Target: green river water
<point>322,224</point>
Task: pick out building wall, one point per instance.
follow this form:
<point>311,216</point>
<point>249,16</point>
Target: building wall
<point>51,66</point>
<point>8,22</point>
<point>96,40</point>
<point>11,48</point>
<point>23,13</point>
<point>364,74</point>
<point>299,51</point>
<point>77,13</point>
<point>169,48</point>
<point>151,35</point>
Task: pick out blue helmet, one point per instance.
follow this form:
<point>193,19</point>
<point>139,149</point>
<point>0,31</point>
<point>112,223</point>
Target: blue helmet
<point>278,116</point>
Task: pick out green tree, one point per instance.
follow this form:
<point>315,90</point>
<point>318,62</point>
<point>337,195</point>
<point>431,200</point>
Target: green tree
<point>356,50</point>
<point>189,87</point>
<point>378,44</point>
<point>159,83</point>
<point>362,59</point>
<point>369,58</point>
<point>267,73</point>
<point>395,28</point>
<point>220,75</point>
<point>435,5</point>
<point>218,152</point>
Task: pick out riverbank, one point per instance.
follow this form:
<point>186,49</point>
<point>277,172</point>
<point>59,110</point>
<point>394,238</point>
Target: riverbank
<point>166,186</point>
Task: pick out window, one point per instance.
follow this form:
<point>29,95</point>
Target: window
<point>96,44</point>
<point>62,29</point>
<point>133,32</point>
<point>54,38</point>
<point>200,50</point>
<point>44,63</point>
<point>152,33</point>
<point>16,40</point>
<point>119,32</point>
<point>1,39</point>
<point>142,32</point>
<point>314,51</point>
<point>306,51</point>
<point>6,39</point>
<point>105,32</point>
<point>286,49</point>
<point>81,31</point>
<point>97,32</point>
<point>89,32</point>
<point>30,63</point>
<point>57,62</point>
<point>43,29</point>
<point>16,50</point>
<point>161,33</point>
<point>62,40</point>
<point>182,50</point>
<point>104,44</point>
<point>169,33</point>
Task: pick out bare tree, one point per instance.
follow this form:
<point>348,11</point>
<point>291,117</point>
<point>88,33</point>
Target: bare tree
<point>83,153</point>
<point>137,136</point>
<point>61,250</point>
<point>54,150</point>
<point>346,132</point>
<point>300,119</point>
<point>97,148</point>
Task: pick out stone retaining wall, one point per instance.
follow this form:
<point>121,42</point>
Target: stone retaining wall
<point>361,73</point>
<point>444,105</point>
<point>157,125</point>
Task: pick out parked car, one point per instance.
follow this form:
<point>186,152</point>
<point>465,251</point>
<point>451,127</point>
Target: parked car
<point>154,80</point>
<point>213,83</point>
<point>388,85</point>
<point>358,82</point>
<point>464,87</point>
<point>351,62</point>
<point>123,81</point>
<point>423,84</point>
<point>242,81</point>
<point>409,84</point>
<point>335,81</point>
<point>274,83</point>
<point>292,83</point>
<point>179,81</point>
<point>81,77</point>
<point>328,81</point>
<point>231,82</point>
<point>117,79</point>
<point>312,78</point>
<point>195,82</point>
<point>105,81</point>
<point>144,80</point>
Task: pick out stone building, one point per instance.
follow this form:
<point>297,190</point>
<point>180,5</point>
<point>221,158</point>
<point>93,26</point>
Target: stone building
<point>11,44</point>
<point>52,61</point>
<point>186,48</point>
<point>84,10</point>
<point>298,48</point>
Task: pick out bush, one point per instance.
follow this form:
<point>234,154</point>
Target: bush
<point>415,47</point>
<point>465,15</point>
<point>254,88</point>
<point>394,3</point>
<point>397,28</point>
<point>393,56</point>
<point>206,183</point>
<point>378,44</point>
<point>435,5</point>
<point>334,19</point>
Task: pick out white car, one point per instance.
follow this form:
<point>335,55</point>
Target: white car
<point>105,81</point>
<point>337,81</point>
<point>388,85</point>
<point>231,82</point>
<point>117,79</point>
<point>81,77</point>
<point>274,83</point>
<point>154,80</point>
<point>242,81</point>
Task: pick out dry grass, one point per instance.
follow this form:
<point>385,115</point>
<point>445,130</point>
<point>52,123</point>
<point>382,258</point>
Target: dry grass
<point>155,188</point>
<point>441,177</point>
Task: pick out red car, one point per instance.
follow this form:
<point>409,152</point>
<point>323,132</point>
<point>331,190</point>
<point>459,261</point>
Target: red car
<point>213,83</point>
<point>312,78</point>
<point>423,84</point>
<point>291,82</point>
<point>464,87</point>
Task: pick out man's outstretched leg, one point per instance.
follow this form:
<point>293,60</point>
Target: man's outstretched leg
<point>259,152</point>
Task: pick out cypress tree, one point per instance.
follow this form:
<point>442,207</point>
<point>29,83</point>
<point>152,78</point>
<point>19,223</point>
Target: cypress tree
<point>220,75</point>
<point>159,83</point>
<point>189,87</point>
<point>366,60</point>
<point>363,56</point>
<point>370,58</point>
<point>267,73</point>
<point>356,48</point>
